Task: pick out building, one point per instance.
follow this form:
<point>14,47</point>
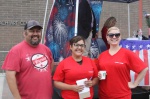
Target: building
<point>15,13</point>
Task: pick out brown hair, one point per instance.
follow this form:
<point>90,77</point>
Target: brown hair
<point>111,21</point>
<point>75,39</point>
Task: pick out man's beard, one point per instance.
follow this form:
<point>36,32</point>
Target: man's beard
<point>35,43</point>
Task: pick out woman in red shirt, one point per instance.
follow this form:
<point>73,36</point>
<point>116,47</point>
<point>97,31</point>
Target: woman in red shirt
<point>117,62</point>
<point>73,68</point>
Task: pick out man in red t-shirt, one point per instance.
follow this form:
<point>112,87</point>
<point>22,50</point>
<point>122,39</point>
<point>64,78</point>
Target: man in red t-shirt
<point>28,66</point>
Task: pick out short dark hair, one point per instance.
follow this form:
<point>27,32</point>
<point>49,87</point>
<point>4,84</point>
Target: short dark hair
<point>75,39</point>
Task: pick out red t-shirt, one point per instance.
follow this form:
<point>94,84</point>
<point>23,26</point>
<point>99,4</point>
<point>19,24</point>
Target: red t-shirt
<point>33,67</point>
<point>118,67</point>
<point>69,71</point>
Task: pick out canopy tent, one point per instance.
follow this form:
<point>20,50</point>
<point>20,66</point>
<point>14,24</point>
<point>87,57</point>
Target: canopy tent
<point>96,6</point>
<point>125,1</point>
<point>122,1</point>
<point>77,1</point>
<point>62,23</point>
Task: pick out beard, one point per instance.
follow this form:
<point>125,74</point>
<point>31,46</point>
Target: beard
<point>32,42</point>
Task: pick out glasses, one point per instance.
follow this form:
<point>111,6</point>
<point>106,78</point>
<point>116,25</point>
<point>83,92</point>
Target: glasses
<point>111,35</point>
<point>81,45</point>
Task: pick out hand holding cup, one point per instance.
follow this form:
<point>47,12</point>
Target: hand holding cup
<point>102,75</point>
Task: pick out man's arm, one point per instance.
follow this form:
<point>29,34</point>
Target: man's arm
<point>12,83</point>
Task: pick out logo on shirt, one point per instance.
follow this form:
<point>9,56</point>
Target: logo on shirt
<point>39,61</point>
<point>90,71</point>
<point>119,62</point>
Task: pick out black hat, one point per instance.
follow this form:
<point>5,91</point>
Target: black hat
<point>32,23</point>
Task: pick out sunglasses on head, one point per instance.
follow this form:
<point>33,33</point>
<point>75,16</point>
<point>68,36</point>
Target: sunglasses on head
<point>111,35</point>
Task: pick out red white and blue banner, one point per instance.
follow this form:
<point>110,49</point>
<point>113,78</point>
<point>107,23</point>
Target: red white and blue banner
<point>61,25</point>
<point>96,6</point>
<point>142,49</point>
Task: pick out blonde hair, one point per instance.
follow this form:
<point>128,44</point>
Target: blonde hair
<point>113,28</point>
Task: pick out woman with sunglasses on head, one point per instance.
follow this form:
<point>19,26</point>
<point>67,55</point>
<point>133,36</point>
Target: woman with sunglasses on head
<point>73,68</point>
<point>117,62</point>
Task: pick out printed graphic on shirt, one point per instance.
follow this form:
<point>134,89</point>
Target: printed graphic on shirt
<point>91,71</point>
<point>28,57</point>
<point>119,63</point>
<point>40,62</point>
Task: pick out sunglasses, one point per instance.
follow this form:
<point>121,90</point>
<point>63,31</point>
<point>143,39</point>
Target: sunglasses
<point>111,35</point>
<point>77,45</point>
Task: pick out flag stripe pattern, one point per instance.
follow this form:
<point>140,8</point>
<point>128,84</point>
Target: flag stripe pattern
<point>142,49</point>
